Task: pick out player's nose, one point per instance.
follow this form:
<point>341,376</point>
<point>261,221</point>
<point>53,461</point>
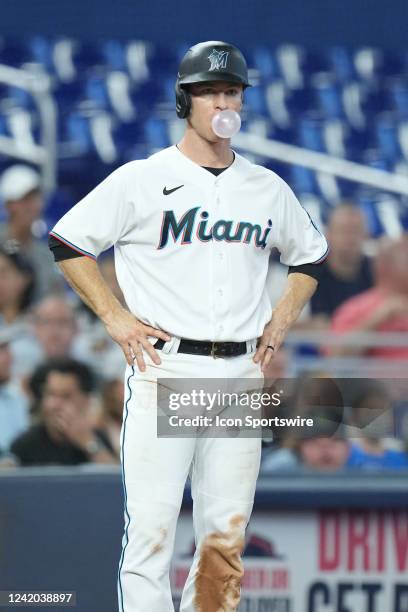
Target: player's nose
<point>221,101</point>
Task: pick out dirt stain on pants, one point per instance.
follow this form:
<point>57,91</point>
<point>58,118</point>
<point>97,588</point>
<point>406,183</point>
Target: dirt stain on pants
<point>220,569</point>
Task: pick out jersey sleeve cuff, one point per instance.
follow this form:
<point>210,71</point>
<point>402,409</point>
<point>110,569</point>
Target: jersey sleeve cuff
<point>72,246</point>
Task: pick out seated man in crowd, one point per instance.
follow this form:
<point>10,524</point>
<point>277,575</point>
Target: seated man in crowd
<point>55,331</point>
<point>65,433</point>
<point>381,309</point>
<point>346,271</point>
<point>52,333</point>
<point>20,191</point>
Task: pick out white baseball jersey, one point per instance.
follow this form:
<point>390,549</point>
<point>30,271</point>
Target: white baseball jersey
<point>191,248</point>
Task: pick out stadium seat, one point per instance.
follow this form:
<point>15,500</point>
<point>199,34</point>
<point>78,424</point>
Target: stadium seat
<point>156,133</point>
<point>114,54</point>
<point>96,90</point>
<point>303,180</point>
<point>41,51</point>
<point>398,93</point>
<point>310,133</point>
<point>328,96</point>
<point>340,61</point>
<point>255,101</point>
<point>265,62</point>
<point>386,133</point>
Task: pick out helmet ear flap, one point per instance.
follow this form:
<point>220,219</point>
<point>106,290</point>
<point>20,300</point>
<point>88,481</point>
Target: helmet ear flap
<point>183,101</point>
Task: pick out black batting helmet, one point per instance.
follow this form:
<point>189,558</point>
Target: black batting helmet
<point>213,60</point>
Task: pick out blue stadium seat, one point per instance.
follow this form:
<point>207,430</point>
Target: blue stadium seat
<point>167,92</point>
<point>41,51</point>
<point>77,132</point>
<point>340,60</point>
<point>385,213</point>
<point>327,96</point>
<point>386,134</point>
<point>264,61</point>
<point>96,90</point>
<point>3,126</point>
<point>367,204</point>
<point>156,133</point>
<point>255,101</point>
<point>398,93</point>
<point>20,97</point>
<point>114,54</point>
<point>303,180</point>
<point>310,133</point>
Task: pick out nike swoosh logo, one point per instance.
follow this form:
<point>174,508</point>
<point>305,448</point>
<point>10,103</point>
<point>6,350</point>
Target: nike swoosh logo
<point>169,191</point>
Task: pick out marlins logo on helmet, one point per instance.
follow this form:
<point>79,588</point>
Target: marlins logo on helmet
<point>218,60</point>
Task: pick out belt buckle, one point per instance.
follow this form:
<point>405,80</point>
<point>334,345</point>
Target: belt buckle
<point>213,350</point>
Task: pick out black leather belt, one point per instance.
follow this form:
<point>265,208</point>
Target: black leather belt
<point>204,347</point>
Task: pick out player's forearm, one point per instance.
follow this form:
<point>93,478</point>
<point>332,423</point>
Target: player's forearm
<point>85,278</point>
<point>298,290</point>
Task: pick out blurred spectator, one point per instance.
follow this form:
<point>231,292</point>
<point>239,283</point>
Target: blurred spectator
<point>51,335</point>
<point>54,327</point>
<point>20,190</point>
<point>331,454</point>
<point>55,330</point>
<point>373,428</point>
<point>65,433</point>
<point>112,411</point>
<point>325,446</point>
<point>17,286</point>
<point>347,271</point>
<point>381,309</point>
<point>13,403</point>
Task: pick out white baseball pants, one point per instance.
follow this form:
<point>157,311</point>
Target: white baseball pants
<point>223,477</point>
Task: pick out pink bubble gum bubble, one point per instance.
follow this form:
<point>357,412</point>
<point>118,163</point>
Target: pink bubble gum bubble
<point>226,123</point>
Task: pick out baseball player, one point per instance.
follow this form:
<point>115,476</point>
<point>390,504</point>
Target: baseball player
<point>192,228</point>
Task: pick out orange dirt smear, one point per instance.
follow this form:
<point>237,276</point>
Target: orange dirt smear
<point>220,569</point>
<point>159,546</point>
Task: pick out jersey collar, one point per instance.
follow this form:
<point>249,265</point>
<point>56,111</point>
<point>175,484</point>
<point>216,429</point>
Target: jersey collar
<point>233,175</point>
